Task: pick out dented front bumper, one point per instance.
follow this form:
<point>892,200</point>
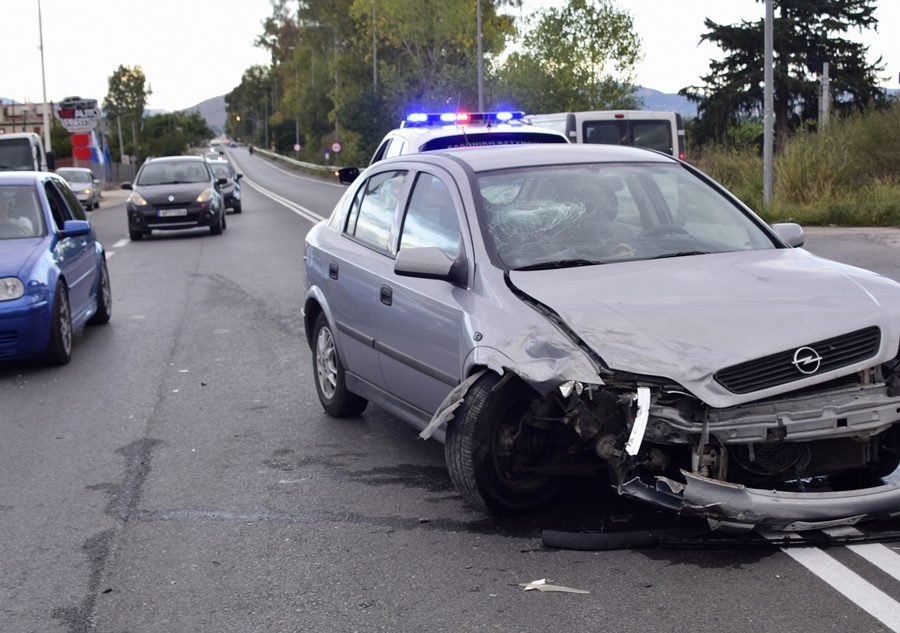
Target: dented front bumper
<point>737,508</point>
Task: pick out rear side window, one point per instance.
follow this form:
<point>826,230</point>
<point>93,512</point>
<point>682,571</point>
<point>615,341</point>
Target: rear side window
<point>373,209</point>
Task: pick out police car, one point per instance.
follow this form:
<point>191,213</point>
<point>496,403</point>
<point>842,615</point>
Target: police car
<point>423,132</point>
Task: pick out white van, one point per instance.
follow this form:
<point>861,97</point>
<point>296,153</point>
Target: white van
<point>24,151</point>
<point>662,131</point>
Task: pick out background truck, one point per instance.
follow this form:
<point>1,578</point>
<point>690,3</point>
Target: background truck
<point>662,131</point>
<point>24,151</point>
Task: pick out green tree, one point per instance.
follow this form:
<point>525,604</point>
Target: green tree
<point>173,133</point>
<point>127,98</point>
<point>581,56</point>
<point>806,33</point>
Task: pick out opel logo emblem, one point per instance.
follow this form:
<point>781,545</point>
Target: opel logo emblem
<point>807,360</point>
<point>171,198</point>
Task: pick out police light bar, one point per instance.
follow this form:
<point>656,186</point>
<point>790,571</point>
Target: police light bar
<point>421,119</point>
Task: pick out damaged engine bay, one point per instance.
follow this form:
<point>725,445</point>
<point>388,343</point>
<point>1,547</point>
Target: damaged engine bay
<point>784,463</point>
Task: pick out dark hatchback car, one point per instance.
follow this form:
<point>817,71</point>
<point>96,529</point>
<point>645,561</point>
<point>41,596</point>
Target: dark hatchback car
<point>231,190</point>
<point>173,193</point>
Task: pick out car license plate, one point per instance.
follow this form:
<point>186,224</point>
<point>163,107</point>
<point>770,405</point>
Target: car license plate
<point>168,213</point>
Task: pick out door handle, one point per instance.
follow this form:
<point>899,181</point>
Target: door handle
<point>333,271</point>
<point>387,295</point>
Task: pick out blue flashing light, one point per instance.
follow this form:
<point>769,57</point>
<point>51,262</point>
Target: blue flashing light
<point>461,119</point>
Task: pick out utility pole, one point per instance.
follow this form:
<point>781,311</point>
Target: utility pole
<point>769,111</point>
<point>480,66</point>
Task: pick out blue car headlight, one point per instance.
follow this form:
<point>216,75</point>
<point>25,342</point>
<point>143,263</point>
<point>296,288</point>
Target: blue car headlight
<point>11,288</point>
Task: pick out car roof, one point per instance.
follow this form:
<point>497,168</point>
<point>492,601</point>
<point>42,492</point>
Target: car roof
<point>513,156</point>
<point>24,177</point>
<point>59,169</point>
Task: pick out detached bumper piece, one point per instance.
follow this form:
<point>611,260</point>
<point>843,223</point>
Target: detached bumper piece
<point>737,508</point>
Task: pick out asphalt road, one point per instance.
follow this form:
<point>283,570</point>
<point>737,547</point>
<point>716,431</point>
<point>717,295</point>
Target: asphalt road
<point>179,475</point>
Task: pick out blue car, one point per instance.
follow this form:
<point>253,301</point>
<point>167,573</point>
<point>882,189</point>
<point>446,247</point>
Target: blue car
<point>53,275</point>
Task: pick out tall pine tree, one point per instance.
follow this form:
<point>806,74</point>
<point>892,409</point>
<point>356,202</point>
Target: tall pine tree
<point>806,33</point>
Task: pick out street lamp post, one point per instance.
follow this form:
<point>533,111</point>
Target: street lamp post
<point>47,146</point>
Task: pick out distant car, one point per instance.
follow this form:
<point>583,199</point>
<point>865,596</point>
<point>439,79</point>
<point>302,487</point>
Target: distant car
<point>217,147</point>
<point>558,312</point>
<point>426,132</point>
<point>53,275</point>
<point>83,184</point>
<point>231,190</point>
<point>173,193</point>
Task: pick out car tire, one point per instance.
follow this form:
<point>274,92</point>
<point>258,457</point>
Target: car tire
<point>104,298</point>
<point>236,208</point>
<point>135,236</point>
<point>331,384</point>
<point>216,229</point>
<point>481,470</point>
<point>59,348</point>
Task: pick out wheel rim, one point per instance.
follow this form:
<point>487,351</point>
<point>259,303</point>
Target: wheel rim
<point>65,322</point>
<point>510,456</point>
<point>326,363</point>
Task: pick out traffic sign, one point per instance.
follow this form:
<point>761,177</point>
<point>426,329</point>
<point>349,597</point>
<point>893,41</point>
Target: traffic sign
<point>296,147</point>
<point>77,114</point>
<point>336,147</point>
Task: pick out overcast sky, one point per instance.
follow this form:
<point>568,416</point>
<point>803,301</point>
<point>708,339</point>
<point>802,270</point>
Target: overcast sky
<point>192,50</point>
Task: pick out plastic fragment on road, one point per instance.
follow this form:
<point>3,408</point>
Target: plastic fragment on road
<point>541,585</point>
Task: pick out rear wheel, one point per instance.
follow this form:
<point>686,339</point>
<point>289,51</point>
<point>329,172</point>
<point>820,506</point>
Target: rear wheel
<point>493,455</point>
<point>104,298</point>
<point>331,386</point>
<point>59,349</point>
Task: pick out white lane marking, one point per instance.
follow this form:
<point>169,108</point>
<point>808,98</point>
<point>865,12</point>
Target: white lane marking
<point>859,591</point>
<point>884,558</point>
<point>121,243</point>
<point>293,206</point>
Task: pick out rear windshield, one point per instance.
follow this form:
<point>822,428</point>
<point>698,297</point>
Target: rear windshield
<point>490,138</point>
<point>15,155</point>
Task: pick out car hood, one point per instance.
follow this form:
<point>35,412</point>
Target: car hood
<point>17,256</point>
<point>685,318</point>
<point>184,193</point>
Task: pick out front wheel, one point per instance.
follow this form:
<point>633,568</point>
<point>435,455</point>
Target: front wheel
<point>331,384</point>
<point>236,207</point>
<point>494,456</point>
<point>59,349</point>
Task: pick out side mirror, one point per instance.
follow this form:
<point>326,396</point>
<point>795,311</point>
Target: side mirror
<point>125,185</point>
<point>430,262</point>
<point>238,177</point>
<point>790,232</point>
<point>51,160</point>
<point>221,181</point>
<point>75,228</point>
<point>346,175</point>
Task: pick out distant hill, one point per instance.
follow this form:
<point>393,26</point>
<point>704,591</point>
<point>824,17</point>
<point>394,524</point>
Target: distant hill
<point>213,110</point>
<point>656,100</point>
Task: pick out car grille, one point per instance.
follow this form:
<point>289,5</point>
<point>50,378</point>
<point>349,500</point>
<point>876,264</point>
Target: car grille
<point>788,366</point>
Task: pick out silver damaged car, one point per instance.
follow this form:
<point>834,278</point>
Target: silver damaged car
<point>575,310</point>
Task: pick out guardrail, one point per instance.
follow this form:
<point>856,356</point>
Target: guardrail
<point>298,163</point>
